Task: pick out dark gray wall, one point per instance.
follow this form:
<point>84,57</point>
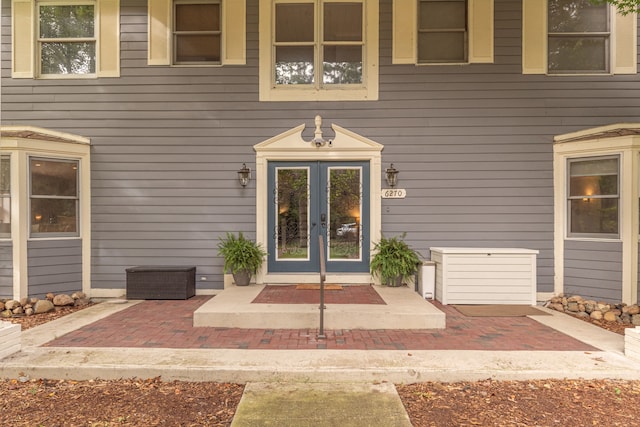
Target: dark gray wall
<point>54,266</point>
<point>593,270</point>
<point>6,269</point>
<point>473,145</point>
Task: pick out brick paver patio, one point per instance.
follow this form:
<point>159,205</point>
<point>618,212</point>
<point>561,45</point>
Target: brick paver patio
<point>169,324</point>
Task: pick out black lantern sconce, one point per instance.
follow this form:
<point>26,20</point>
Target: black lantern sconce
<point>392,176</point>
<point>244,175</point>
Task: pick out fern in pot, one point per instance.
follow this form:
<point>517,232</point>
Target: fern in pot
<point>242,257</point>
<point>394,261</point>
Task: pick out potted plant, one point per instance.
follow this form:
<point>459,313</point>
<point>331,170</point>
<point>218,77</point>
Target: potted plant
<point>394,260</point>
<point>242,257</point>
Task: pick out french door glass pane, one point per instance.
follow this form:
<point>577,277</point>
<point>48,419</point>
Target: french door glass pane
<point>342,65</point>
<point>343,22</point>
<point>345,207</point>
<point>292,208</point>
<point>578,54</point>
<point>294,22</point>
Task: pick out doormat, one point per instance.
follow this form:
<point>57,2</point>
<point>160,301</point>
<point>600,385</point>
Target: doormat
<point>499,310</point>
<point>316,287</point>
<point>289,294</point>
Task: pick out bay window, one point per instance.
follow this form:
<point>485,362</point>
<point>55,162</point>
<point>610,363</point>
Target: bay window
<point>5,196</point>
<point>54,197</point>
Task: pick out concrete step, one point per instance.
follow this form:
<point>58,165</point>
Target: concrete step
<point>404,309</point>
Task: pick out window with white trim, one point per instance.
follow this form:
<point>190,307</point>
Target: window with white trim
<point>442,31</point>
<point>593,197</point>
<point>197,32</point>
<point>578,37</point>
<point>5,196</point>
<point>318,50</point>
<point>65,38</point>
<point>53,196</point>
<point>563,37</point>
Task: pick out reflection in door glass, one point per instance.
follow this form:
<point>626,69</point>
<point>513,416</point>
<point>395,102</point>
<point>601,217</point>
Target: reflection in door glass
<point>345,200</point>
<point>292,207</point>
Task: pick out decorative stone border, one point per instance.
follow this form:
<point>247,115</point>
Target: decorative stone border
<point>10,339</point>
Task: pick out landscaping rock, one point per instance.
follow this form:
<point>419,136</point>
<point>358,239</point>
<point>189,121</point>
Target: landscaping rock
<point>6,313</point>
<point>596,315</point>
<point>81,302</point>
<point>43,306</point>
<point>635,319</point>
<point>62,300</point>
<point>78,295</point>
<point>610,316</point>
<point>633,309</point>
<point>11,304</point>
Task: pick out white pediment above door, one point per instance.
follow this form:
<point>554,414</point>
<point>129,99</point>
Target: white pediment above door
<point>343,145</point>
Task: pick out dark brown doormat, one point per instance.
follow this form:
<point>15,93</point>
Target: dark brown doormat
<point>315,287</point>
<point>499,310</point>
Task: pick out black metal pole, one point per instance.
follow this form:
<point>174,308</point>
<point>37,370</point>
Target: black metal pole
<point>323,275</point>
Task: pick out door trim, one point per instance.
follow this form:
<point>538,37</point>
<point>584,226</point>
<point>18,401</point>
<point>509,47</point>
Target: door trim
<point>291,146</point>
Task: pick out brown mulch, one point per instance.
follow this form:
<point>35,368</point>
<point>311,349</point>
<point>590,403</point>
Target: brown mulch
<point>152,402</point>
<point>34,320</point>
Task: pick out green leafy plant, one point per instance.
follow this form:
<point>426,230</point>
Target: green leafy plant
<point>240,254</point>
<point>394,260</point>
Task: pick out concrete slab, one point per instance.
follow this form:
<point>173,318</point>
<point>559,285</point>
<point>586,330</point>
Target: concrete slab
<point>320,404</point>
<point>404,309</point>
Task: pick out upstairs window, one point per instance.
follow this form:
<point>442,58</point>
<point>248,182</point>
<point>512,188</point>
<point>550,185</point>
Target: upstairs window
<point>593,197</point>
<point>197,32</point>
<point>66,39</point>
<point>54,197</point>
<point>564,37</point>
<point>579,37</point>
<point>5,196</point>
<point>311,51</point>
<point>318,50</point>
<point>442,31</point>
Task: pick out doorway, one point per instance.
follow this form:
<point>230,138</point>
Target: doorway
<point>308,199</point>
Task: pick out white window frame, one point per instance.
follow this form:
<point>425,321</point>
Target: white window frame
<point>623,48</point>
<point>175,33</point>
<point>93,39</point>
<point>367,91</point>
<point>606,36</point>
<point>569,198</point>
<point>76,198</point>
<point>25,52</point>
<point>6,196</point>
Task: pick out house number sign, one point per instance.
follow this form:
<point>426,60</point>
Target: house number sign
<point>394,193</point>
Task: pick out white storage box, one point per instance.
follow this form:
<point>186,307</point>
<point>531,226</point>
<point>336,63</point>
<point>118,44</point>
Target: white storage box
<point>485,275</point>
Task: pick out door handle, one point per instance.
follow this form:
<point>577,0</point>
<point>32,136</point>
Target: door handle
<point>323,220</point>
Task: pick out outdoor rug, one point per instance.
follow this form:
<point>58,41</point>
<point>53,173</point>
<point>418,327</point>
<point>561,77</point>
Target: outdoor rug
<point>316,287</point>
<point>290,294</point>
<point>499,310</point>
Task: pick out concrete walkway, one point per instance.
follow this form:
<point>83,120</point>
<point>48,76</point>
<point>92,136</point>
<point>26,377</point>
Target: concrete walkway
<point>304,375</point>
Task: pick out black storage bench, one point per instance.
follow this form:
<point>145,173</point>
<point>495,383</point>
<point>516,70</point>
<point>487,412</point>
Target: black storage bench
<point>151,282</point>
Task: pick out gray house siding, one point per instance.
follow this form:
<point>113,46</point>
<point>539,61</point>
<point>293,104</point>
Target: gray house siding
<point>54,266</point>
<point>6,269</point>
<point>473,145</point>
<point>593,269</point>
